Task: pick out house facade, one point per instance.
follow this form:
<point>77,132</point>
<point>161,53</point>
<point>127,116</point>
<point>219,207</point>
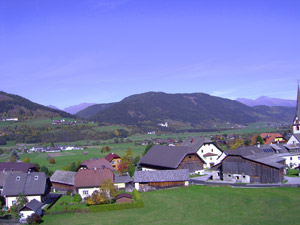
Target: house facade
<point>114,160</point>
<point>171,158</point>
<point>35,185</point>
<point>206,150</point>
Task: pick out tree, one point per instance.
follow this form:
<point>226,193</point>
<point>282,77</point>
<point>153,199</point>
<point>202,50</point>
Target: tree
<point>26,160</point>
<point>15,208</point>
<point>237,143</point>
<point>259,140</point>
<point>52,161</point>
<point>116,133</point>
<point>12,158</point>
<point>247,142</point>
<point>122,168</point>
<point>96,199</point>
<point>147,148</point>
<point>105,149</point>
<point>253,140</point>
<point>77,198</point>
<point>108,189</point>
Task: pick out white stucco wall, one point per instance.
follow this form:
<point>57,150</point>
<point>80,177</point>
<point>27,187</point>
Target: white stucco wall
<point>210,148</point>
<point>90,191</point>
<point>293,159</point>
<point>120,185</point>
<point>137,186</point>
<point>24,214</point>
<point>9,200</point>
<point>292,140</point>
<point>147,169</point>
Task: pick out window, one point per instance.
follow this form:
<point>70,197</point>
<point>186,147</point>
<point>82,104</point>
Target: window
<point>36,177</point>
<point>237,177</point>
<point>297,127</point>
<point>202,151</point>
<point>291,158</point>
<point>244,177</point>
<point>190,157</point>
<point>85,192</point>
<point>210,158</point>
<point>229,175</point>
<point>212,150</point>
<point>14,202</point>
<point>18,178</point>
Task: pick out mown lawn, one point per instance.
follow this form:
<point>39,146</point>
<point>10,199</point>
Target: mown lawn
<point>67,157</point>
<point>201,205</point>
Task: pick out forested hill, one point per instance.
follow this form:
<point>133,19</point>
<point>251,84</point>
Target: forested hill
<point>196,108</point>
<point>92,110</point>
<point>14,105</point>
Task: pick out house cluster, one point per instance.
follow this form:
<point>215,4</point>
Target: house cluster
<point>67,122</point>
<point>10,119</point>
<point>59,148</point>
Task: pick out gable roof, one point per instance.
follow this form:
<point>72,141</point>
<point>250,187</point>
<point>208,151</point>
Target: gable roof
<point>195,142</point>
<point>25,183</point>
<point>297,136</point>
<point>63,177</point>
<point>2,178</point>
<point>17,166</point>
<point>111,156</point>
<point>34,205</point>
<point>165,156</point>
<point>97,163</point>
<point>161,176</point>
<point>122,179</point>
<point>268,138</point>
<point>92,178</point>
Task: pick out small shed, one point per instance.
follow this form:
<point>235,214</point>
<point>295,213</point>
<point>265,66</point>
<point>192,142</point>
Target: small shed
<point>34,206</point>
<point>124,198</point>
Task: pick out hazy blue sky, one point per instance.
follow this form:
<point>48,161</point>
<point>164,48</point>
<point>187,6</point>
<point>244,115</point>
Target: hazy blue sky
<point>64,52</point>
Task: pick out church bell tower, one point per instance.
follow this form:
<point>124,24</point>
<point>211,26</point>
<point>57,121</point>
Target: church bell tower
<point>296,123</point>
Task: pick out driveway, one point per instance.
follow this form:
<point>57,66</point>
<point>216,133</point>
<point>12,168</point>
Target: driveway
<point>292,180</point>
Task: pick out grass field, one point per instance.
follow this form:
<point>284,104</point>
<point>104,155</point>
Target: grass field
<point>67,157</point>
<point>200,205</point>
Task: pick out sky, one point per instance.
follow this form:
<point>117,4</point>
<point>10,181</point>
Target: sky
<point>63,53</point>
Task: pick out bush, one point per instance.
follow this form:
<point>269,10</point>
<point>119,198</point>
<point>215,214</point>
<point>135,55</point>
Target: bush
<point>51,161</point>
<point>77,198</point>
<point>34,219</point>
<point>136,195</point>
<point>26,160</point>
<point>113,207</point>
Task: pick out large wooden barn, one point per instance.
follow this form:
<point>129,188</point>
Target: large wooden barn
<point>250,166</point>
<point>168,158</point>
<point>152,180</point>
<point>63,180</point>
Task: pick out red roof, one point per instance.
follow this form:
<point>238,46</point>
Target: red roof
<point>268,138</point>
<point>92,178</point>
<point>112,156</point>
<point>97,163</point>
<point>124,195</point>
<point>209,154</point>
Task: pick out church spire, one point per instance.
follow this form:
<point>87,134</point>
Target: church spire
<point>298,103</point>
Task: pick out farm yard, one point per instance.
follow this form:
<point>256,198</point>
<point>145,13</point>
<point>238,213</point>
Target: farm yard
<point>200,205</point>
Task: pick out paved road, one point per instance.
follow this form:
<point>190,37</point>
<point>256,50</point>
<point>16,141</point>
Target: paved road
<point>292,180</point>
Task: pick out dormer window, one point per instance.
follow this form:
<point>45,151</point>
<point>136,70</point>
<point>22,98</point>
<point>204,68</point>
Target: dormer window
<point>18,178</point>
<point>36,177</point>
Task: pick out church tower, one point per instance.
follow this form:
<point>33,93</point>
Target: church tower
<point>296,123</point>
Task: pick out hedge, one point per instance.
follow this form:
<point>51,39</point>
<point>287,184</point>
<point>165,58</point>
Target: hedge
<point>120,206</point>
<point>136,195</point>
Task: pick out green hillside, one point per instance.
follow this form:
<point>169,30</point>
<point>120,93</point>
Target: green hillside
<point>14,105</point>
<point>195,108</point>
<point>92,110</point>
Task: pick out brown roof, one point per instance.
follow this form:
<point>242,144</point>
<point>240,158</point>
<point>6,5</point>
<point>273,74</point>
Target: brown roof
<point>270,137</point>
<point>17,166</point>
<point>112,156</point>
<point>92,178</point>
<point>124,195</point>
<point>97,163</point>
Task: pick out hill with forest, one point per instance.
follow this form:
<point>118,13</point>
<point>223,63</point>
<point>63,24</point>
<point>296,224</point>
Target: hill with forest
<point>196,108</point>
<point>15,106</point>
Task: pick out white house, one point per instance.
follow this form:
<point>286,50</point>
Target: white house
<point>30,208</point>
<point>206,150</point>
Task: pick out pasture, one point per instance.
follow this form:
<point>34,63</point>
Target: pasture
<point>200,205</point>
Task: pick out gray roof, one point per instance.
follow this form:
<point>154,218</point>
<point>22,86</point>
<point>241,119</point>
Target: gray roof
<point>161,176</point>
<point>2,178</point>
<point>195,142</point>
<point>245,151</point>
<point>25,183</point>
<point>122,179</point>
<point>17,166</point>
<point>34,205</point>
<point>297,136</point>
<point>165,156</point>
<point>63,177</point>
<point>280,148</point>
<point>267,159</point>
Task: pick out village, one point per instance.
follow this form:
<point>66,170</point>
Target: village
<point>28,193</point>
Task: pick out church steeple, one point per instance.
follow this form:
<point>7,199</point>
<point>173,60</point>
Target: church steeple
<point>296,123</point>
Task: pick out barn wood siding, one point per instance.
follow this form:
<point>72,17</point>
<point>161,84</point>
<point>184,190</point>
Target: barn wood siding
<point>62,187</point>
<point>192,163</point>
<point>258,172</point>
<point>164,184</point>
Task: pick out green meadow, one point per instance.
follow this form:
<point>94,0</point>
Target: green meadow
<point>200,205</point>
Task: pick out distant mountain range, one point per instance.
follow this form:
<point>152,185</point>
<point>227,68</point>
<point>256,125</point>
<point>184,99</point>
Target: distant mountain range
<point>15,105</point>
<point>264,100</point>
<point>196,108</point>
<point>76,108</point>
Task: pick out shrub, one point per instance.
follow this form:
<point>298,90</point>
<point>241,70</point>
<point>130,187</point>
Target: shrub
<point>34,219</point>
<point>51,161</point>
<point>26,160</point>
<point>112,207</point>
<point>136,195</point>
<point>77,198</point>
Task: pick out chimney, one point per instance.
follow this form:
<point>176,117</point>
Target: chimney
<point>192,140</point>
<point>258,144</point>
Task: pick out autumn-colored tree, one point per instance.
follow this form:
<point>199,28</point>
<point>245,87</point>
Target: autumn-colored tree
<point>253,140</point>
<point>105,149</point>
<point>96,198</point>
<point>52,161</point>
<point>116,133</point>
<point>108,190</point>
<point>238,142</point>
<point>26,160</point>
<point>122,168</point>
